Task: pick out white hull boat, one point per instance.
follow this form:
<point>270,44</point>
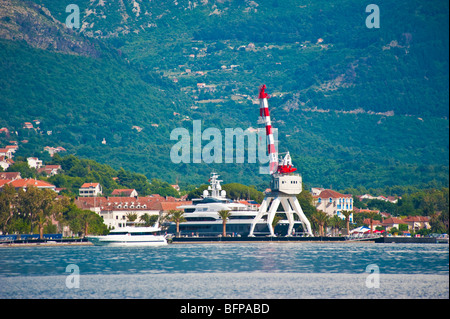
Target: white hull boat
<point>130,236</point>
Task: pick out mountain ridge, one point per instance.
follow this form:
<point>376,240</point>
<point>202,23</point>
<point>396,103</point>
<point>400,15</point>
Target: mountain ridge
<point>363,110</point>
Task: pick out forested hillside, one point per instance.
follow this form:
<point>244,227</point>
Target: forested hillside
<point>356,107</point>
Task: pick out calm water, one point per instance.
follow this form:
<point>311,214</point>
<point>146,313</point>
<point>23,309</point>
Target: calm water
<point>255,270</point>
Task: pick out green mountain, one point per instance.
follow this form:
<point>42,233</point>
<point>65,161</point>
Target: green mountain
<point>356,107</point>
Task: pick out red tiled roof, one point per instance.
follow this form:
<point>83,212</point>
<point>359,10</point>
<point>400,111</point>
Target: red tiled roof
<point>9,175</point>
<point>374,221</point>
<point>417,219</point>
<point>166,206</point>
<point>4,181</point>
<point>112,203</point>
<point>393,220</point>
<point>122,191</point>
<point>327,193</point>
<point>87,185</point>
<point>24,182</point>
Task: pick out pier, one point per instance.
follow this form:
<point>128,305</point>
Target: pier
<point>341,239</point>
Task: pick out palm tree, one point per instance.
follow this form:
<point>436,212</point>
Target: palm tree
<point>149,220</point>
<point>321,219</point>
<point>371,216</point>
<point>177,216</point>
<point>335,223</point>
<point>275,221</point>
<point>131,217</point>
<point>224,214</point>
<point>347,214</point>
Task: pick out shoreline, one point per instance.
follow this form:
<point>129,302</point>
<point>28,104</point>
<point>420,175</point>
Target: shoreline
<point>45,244</point>
<point>237,240</point>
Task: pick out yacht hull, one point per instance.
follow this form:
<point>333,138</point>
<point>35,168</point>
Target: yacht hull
<point>122,241</point>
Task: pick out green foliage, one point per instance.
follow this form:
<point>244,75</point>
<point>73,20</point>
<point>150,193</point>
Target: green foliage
<point>396,77</point>
<point>34,209</point>
<point>420,203</point>
<point>24,170</point>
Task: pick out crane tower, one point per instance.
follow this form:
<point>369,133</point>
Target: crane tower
<point>285,184</point>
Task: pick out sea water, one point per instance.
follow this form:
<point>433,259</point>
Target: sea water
<point>226,270</point>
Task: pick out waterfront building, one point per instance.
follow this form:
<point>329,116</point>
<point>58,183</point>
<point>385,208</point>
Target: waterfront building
<point>118,211</point>
<point>392,222</point>
<point>416,223</point>
<point>332,202</point>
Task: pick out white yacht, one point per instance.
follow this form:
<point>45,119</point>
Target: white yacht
<point>130,236</point>
<point>202,218</point>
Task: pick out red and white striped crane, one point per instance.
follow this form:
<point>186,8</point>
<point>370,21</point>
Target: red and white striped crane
<point>275,166</point>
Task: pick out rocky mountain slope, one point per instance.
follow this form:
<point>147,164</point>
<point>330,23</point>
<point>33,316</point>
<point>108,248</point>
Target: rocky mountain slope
<point>354,106</point>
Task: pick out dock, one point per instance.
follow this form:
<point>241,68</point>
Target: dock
<point>340,239</point>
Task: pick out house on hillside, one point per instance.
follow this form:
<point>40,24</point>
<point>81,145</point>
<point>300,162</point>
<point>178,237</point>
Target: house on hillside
<point>10,175</point>
<point>332,202</point>
<point>13,148</point>
<point>50,170</point>
<point>7,152</point>
<point>34,162</point>
<point>23,183</point>
<point>125,192</point>
<point>90,189</point>
<point>5,162</point>
<point>53,150</point>
<point>27,125</point>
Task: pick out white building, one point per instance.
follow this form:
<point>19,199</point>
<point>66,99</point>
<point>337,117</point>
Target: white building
<point>90,189</point>
<point>116,211</point>
<point>5,162</point>
<point>34,162</point>
<point>332,202</point>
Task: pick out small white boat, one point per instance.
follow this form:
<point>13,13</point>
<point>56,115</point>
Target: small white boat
<point>130,236</point>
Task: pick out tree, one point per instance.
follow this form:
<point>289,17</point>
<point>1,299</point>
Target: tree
<point>321,219</point>
<point>275,221</point>
<point>372,216</point>
<point>224,214</point>
<point>335,223</point>
<point>7,205</point>
<point>38,205</point>
<point>149,220</point>
<point>347,214</point>
<point>176,216</point>
<point>131,217</point>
